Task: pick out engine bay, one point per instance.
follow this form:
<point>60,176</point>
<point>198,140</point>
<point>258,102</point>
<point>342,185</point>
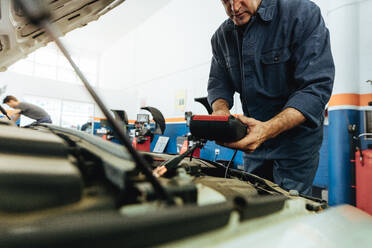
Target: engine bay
<point>58,185</point>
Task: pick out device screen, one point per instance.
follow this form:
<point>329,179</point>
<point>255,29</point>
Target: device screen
<point>143,118</point>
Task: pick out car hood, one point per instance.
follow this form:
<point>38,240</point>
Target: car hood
<point>18,37</point>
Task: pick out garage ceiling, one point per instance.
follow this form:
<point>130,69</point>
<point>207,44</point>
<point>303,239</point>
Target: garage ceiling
<point>99,35</point>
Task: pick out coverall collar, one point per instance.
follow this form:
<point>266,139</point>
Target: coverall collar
<point>266,10</point>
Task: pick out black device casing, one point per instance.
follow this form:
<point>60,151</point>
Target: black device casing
<point>218,128</point>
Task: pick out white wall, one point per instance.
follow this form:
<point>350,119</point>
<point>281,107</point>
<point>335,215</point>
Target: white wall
<point>365,46</point>
<point>170,52</point>
<point>351,37</point>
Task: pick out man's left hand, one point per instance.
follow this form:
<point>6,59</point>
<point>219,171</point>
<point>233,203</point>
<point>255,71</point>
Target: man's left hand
<point>257,133</point>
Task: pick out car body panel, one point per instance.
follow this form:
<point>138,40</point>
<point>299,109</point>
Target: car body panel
<point>338,227</point>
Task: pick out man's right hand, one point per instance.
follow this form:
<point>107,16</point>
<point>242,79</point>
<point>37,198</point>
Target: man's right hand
<point>221,107</point>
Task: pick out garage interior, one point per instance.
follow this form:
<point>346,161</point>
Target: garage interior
<point>144,54</point>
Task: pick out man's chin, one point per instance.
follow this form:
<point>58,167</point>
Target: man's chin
<point>241,21</point>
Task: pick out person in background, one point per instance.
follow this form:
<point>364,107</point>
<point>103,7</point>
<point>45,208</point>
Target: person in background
<point>27,109</point>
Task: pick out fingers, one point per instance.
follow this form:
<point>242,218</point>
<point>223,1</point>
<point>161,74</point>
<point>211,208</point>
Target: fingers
<point>247,121</point>
<point>237,146</point>
<point>251,141</point>
<point>246,143</point>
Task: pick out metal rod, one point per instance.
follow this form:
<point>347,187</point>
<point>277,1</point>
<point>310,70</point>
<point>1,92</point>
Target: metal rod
<point>116,125</point>
<point>365,134</point>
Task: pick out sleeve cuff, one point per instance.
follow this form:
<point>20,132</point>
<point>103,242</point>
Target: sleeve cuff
<point>309,105</point>
<point>215,94</point>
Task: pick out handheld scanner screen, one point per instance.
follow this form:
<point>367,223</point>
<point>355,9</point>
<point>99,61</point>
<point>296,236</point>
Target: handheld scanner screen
<point>218,128</point>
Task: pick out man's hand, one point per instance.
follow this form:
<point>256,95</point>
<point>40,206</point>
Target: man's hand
<point>220,107</point>
<point>257,133</point>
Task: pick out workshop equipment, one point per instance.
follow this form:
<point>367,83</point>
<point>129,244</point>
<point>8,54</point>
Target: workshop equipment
<point>355,146</point>
<point>189,140</point>
<point>363,171</point>
<point>218,128</point>
<point>143,133</point>
<point>205,103</point>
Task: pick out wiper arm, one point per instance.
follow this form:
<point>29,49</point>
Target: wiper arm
<point>3,111</point>
<point>38,14</point>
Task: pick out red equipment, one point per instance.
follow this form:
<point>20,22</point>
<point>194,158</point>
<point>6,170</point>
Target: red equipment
<point>143,144</point>
<point>186,145</point>
<point>364,180</point>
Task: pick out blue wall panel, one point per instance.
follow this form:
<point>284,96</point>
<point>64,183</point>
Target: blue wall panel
<point>321,178</point>
<point>172,130</point>
<point>225,153</point>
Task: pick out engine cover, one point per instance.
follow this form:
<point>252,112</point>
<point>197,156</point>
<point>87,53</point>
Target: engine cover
<point>35,172</point>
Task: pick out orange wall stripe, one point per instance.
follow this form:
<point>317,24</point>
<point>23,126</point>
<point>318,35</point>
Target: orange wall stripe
<point>175,119</point>
<point>350,99</point>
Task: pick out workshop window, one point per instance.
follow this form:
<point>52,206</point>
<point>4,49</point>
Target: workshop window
<point>69,114</point>
<point>48,62</point>
<point>76,114</point>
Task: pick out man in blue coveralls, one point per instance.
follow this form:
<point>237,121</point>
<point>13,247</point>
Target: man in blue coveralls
<point>276,54</point>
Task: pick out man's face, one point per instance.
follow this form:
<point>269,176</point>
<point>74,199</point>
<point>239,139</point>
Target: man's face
<point>240,11</point>
<point>12,103</point>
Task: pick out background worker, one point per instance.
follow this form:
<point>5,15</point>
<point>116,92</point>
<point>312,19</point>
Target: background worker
<point>27,109</point>
<point>276,54</point>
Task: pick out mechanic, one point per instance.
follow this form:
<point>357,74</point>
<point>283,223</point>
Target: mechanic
<point>27,109</point>
<point>276,54</point>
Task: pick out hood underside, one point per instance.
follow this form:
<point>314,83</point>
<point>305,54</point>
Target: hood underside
<point>18,37</point>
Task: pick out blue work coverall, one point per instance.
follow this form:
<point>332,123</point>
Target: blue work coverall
<point>282,59</point>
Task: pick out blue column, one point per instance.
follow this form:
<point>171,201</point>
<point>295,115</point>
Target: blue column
<point>339,155</point>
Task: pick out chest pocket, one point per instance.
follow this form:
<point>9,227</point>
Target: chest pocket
<point>233,69</point>
<point>275,72</point>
